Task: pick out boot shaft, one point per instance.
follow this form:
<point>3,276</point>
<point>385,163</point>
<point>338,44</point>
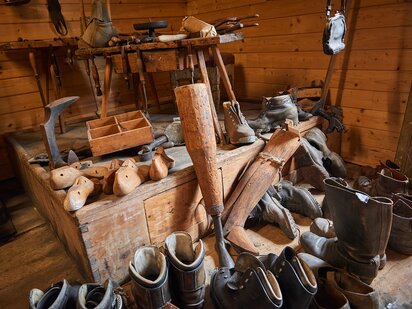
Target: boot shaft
<point>390,181</point>
<point>362,223</point>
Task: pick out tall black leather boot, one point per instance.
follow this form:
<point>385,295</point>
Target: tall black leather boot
<point>400,239</point>
<point>275,111</point>
<point>331,160</point>
<point>150,278</point>
<point>59,295</point>
<point>248,285</point>
<point>93,295</point>
<point>187,273</point>
<point>362,226</point>
<point>296,280</point>
<point>296,199</point>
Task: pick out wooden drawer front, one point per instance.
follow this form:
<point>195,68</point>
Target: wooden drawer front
<point>160,60</point>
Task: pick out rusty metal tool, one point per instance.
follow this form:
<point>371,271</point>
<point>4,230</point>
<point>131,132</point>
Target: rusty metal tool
<point>53,111</point>
<point>194,110</point>
<point>147,151</point>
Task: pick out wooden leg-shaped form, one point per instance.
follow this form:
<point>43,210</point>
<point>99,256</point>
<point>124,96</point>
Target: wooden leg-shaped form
<point>223,74</point>
<point>205,80</point>
<point>107,82</point>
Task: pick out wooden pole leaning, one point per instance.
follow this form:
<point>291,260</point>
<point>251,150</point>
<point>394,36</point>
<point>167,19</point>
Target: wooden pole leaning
<point>196,118</point>
<point>107,83</point>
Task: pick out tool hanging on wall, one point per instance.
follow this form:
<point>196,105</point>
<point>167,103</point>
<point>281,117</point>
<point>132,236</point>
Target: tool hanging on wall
<point>335,29</point>
<point>33,63</point>
<point>140,70</point>
<point>56,82</point>
<point>334,117</point>
<point>56,16</point>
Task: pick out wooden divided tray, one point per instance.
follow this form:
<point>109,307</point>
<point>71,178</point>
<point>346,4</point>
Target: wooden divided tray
<point>110,134</point>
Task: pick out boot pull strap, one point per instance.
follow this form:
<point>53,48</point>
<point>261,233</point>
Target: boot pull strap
<point>329,8</point>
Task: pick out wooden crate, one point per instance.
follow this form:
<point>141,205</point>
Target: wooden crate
<point>110,134</point>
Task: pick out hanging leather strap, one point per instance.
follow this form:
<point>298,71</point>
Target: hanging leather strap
<point>56,16</point>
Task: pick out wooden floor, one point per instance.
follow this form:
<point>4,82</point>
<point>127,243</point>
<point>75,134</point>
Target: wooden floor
<point>35,257</point>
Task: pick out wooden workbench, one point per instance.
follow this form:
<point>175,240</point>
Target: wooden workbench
<point>103,235</point>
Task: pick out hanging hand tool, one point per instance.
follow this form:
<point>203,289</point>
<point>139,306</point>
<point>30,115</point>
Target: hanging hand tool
<point>95,74</point>
<point>32,58</point>
<point>53,111</point>
<point>194,110</point>
<point>55,66</point>
<point>190,63</point>
<point>69,56</point>
<point>140,70</point>
<point>125,66</point>
<point>57,85</point>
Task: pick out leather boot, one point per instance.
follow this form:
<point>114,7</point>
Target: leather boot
<point>309,166</point>
<point>296,199</point>
<point>93,295</point>
<point>275,111</point>
<point>59,295</point>
<point>150,282</point>
<point>359,295</point>
<point>400,239</point>
<point>362,225</point>
<point>271,211</point>
<point>388,182</point>
<point>238,130</point>
<point>187,272</point>
<point>296,280</point>
<point>323,227</point>
<point>331,160</point>
<point>248,285</point>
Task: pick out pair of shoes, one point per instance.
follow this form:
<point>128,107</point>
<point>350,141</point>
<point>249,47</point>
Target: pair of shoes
<point>337,288</point>
<point>156,284</point>
<point>362,225</point>
<point>267,282</point>
<point>89,295</point>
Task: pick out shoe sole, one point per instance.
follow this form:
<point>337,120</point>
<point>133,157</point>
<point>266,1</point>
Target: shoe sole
<point>244,140</point>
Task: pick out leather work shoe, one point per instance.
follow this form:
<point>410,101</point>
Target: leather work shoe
<point>323,227</point>
<point>389,181</point>
<point>362,225</point>
<point>150,282</point>
<point>92,295</point>
<point>296,280</point>
<point>238,130</point>
<point>186,270</point>
<point>296,199</point>
<point>271,211</point>
<point>331,160</point>
<point>275,110</point>
<point>309,165</point>
<point>338,289</point>
<point>248,285</point>
<point>400,239</point>
<point>59,295</point>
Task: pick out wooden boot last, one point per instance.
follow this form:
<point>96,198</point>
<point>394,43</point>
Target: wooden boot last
<point>128,177</point>
<point>77,195</point>
<point>161,163</point>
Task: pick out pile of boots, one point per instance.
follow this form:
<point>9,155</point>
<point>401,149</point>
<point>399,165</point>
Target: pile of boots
<point>391,183</point>
<point>89,295</point>
<point>177,278</point>
<point>315,161</point>
<point>237,129</point>
<point>362,225</point>
<point>277,202</point>
<point>270,281</point>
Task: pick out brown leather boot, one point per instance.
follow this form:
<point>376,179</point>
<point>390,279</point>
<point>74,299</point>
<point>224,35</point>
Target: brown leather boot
<point>249,285</point>
<point>340,286</point>
<point>187,272</point>
<point>362,225</point>
<point>238,130</point>
<point>275,110</point>
<point>401,233</point>
<point>150,278</point>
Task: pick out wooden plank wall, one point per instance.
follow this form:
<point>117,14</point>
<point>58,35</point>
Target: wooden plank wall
<point>373,75</point>
<point>20,104</point>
